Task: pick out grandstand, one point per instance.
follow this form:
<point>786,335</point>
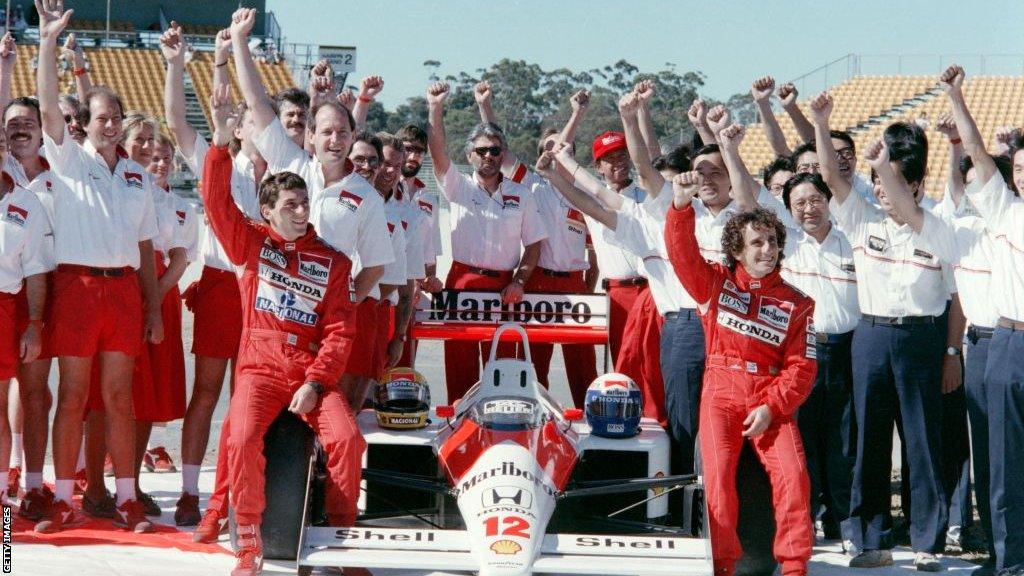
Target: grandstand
<point>865,105</point>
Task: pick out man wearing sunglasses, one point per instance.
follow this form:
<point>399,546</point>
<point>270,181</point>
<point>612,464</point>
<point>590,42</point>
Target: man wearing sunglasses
<point>492,219</point>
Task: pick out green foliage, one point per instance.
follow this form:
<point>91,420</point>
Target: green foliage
<point>528,99</point>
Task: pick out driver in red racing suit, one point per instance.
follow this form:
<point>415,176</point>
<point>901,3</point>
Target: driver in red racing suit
<point>760,367</point>
<point>298,325</point>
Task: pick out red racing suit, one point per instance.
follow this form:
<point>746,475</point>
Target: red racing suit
<point>760,351</point>
<point>298,322</point>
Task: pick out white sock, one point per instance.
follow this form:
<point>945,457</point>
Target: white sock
<point>125,489</point>
<point>33,480</point>
<point>63,489</point>
<point>17,448</point>
<point>190,478</point>
<point>157,436</point>
<point>80,465</point>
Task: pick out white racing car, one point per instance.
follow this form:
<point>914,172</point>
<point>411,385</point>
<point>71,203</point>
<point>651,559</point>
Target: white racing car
<point>504,483</point>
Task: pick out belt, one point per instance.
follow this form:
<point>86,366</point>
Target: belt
<point>293,340</point>
<point>482,271</point>
<point>1011,324</point>
<point>975,333</point>
<point>615,283</point>
<point>554,273</point>
<point>897,320</point>
<point>741,365</point>
<point>826,338</point>
<point>684,313</point>
<point>94,271</point>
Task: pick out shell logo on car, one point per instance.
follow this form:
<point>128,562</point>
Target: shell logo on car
<point>506,547</point>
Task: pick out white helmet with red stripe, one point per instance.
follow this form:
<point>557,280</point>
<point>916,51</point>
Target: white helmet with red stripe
<point>613,406</point>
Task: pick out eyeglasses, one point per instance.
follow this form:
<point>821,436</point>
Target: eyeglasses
<point>482,151</point>
<point>846,153</point>
<point>371,162</point>
<point>812,202</point>
<point>809,167</point>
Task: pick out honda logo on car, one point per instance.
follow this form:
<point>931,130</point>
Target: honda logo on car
<point>543,309</point>
<point>506,469</point>
<point>507,495</point>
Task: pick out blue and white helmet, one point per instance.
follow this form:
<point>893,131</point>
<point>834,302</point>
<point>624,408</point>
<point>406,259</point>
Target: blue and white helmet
<point>613,406</point>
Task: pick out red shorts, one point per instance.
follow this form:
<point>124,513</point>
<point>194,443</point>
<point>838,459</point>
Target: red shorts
<point>12,324</point>
<point>93,314</point>
<point>363,360</point>
<point>217,305</point>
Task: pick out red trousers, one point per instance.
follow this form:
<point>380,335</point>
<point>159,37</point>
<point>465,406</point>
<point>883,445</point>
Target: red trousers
<point>260,395</point>
<point>219,498</point>
<point>640,355</point>
<point>725,403</point>
<point>620,302</point>
<point>580,359</point>
<point>462,359</point>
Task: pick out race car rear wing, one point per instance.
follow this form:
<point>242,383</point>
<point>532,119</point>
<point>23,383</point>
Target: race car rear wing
<point>449,550</point>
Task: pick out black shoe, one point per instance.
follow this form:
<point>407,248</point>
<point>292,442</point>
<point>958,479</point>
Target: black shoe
<point>149,506</point>
<point>104,507</point>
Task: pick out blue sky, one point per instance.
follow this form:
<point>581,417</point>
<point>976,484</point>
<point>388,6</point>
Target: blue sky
<point>731,42</point>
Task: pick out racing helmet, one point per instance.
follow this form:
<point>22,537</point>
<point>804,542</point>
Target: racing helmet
<point>613,406</point>
<point>402,400</point>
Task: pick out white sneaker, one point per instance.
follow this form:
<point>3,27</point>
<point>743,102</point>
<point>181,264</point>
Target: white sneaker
<point>927,562</point>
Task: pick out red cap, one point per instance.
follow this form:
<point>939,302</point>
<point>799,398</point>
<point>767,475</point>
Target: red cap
<point>608,142</point>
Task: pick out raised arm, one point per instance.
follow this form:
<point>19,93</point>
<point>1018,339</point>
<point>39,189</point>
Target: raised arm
<point>221,55</point>
<point>645,91</point>
<point>761,90</point>
<point>52,21</point>
<point>236,233</point>
<point>485,101</point>
<point>368,90</point>
<point>8,56</point>
<point>253,91</point>
<point>629,108</point>
<point>578,102</point>
<point>718,119</point>
<point>579,176</point>
<point>436,141</point>
<point>788,94</point>
<point>821,109</point>
<point>547,167</point>
<point>744,187</point>
<point>172,46</point>
<point>82,82</point>
<point>951,82</point>
<point>896,189</point>
<point>697,115</point>
<point>321,84</point>
<point>697,275</point>
<point>954,181</point>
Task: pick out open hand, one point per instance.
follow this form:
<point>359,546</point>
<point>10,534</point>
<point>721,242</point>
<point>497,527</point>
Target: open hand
<point>52,18</point>
<point>757,421</point>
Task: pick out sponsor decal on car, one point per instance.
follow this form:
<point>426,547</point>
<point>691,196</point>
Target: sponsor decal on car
<point>315,267</point>
<point>506,496</point>
<point>506,547</point>
<point>371,534</point>
<point>534,309</point>
<point>508,407</point>
<point>507,468</point>
<point>625,542</point>
<point>750,328</point>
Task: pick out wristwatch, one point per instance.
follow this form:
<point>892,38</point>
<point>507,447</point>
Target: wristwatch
<point>953,351</point>
<point>317,387</point>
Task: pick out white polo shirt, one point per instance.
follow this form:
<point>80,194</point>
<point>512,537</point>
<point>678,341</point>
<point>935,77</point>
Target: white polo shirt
<point>24,227</point>
<point>896,275</point>
<point>351,218</point>
<point>964,242</point>
<point>413,193</point>
<point>1004,218</point>
<point>104,214</point>
<point>613,261</point>
<point>168,230</point>
<point>490,230</point>
<point>565,249</point>
<point>827,273</point>
<point>709,227</point>
<point>643,235</point>
<point>411,219</point>
<point>244,191</point>
<point>188,226</point>
<point>396,272</point>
